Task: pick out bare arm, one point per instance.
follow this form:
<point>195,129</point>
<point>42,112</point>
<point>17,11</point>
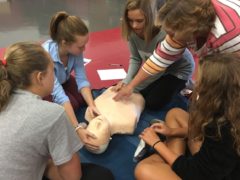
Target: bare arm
<point>85,136</point>
<point>87,95</point>
<point>70,112</point>
<point>151,138</point>
<point>71,170</point>
<point>162,128</point>
<point>179,132</point>
<point>168,155</point>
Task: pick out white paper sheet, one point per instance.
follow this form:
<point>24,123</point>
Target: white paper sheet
<point>86,61</point>
<point>111,74</point>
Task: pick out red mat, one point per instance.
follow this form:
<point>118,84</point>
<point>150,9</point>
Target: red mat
<point>104,48</point>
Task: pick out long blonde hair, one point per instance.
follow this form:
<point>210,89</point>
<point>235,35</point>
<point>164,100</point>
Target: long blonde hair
<point>216,98</point>
<point>145,7</point>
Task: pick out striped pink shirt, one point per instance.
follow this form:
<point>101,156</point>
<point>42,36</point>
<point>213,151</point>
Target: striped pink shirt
<point>224,37</point>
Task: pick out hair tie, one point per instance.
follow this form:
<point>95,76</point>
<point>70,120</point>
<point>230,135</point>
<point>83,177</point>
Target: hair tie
<point>4,62</point>
<point>153,146</point>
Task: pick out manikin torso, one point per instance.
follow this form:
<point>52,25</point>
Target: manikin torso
<point>117,117</point>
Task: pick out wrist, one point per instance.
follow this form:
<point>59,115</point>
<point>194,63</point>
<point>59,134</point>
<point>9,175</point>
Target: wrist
<point>171,132</point>
<point>91,104</point>
<point>81,125</point>
<point>130,86</point>
<point>157,142</point>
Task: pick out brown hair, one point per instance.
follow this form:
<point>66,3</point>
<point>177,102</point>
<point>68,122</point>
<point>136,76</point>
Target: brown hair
<point>145,7</point>
<point>22,59</point>
<point>66,27</point>
<point>192,16</point>
<point>216,98</point>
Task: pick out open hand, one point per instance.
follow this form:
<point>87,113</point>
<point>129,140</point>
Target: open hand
<point>149,136</point>
<point>93,110</point>
<point>124,93</point>
<point>87,138</point>
<point>161,128</point>
<point>118,87</point>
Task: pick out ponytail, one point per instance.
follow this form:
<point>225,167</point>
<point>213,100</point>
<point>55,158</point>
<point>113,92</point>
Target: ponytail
<point>54,23</point>
<point>5,86</point>
<point>66,27</point>
<point>22,59</point>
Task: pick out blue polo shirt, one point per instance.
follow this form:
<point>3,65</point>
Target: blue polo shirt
<point>62,74</point>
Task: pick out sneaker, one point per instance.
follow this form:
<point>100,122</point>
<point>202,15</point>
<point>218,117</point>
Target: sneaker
<point>186,92</point>
<point>141,151</point>
<point>156,121</point>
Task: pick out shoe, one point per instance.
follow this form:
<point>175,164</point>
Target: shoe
<point>186,92</point>
<point>141,151</point>
<point>156,121</point>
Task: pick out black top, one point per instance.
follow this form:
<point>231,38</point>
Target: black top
<point>216,160</point>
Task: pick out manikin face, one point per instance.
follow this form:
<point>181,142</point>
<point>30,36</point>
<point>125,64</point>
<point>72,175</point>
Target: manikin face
<point>76,48</point>
<point>101,128</point>
<point>136,20</point>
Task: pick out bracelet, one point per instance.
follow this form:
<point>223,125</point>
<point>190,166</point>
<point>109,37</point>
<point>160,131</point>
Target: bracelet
<point>81,125</point>
<point>156,143</point>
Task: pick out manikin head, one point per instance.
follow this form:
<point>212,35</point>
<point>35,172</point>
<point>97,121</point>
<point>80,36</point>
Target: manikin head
<point>100,127</point>
<point>117,117</point>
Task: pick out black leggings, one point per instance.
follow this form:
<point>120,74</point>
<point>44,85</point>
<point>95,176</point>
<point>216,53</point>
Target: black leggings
<point>160,92</point>
<point>92,171</point>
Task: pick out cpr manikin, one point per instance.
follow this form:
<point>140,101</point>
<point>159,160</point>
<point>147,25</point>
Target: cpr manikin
<point>117,117</point>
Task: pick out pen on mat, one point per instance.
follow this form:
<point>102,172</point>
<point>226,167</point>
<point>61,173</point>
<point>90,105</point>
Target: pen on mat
<point>115,64</point>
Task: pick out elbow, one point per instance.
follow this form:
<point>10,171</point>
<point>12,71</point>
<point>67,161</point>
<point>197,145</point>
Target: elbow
<point>72,169</point>
<point>72,177</point>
